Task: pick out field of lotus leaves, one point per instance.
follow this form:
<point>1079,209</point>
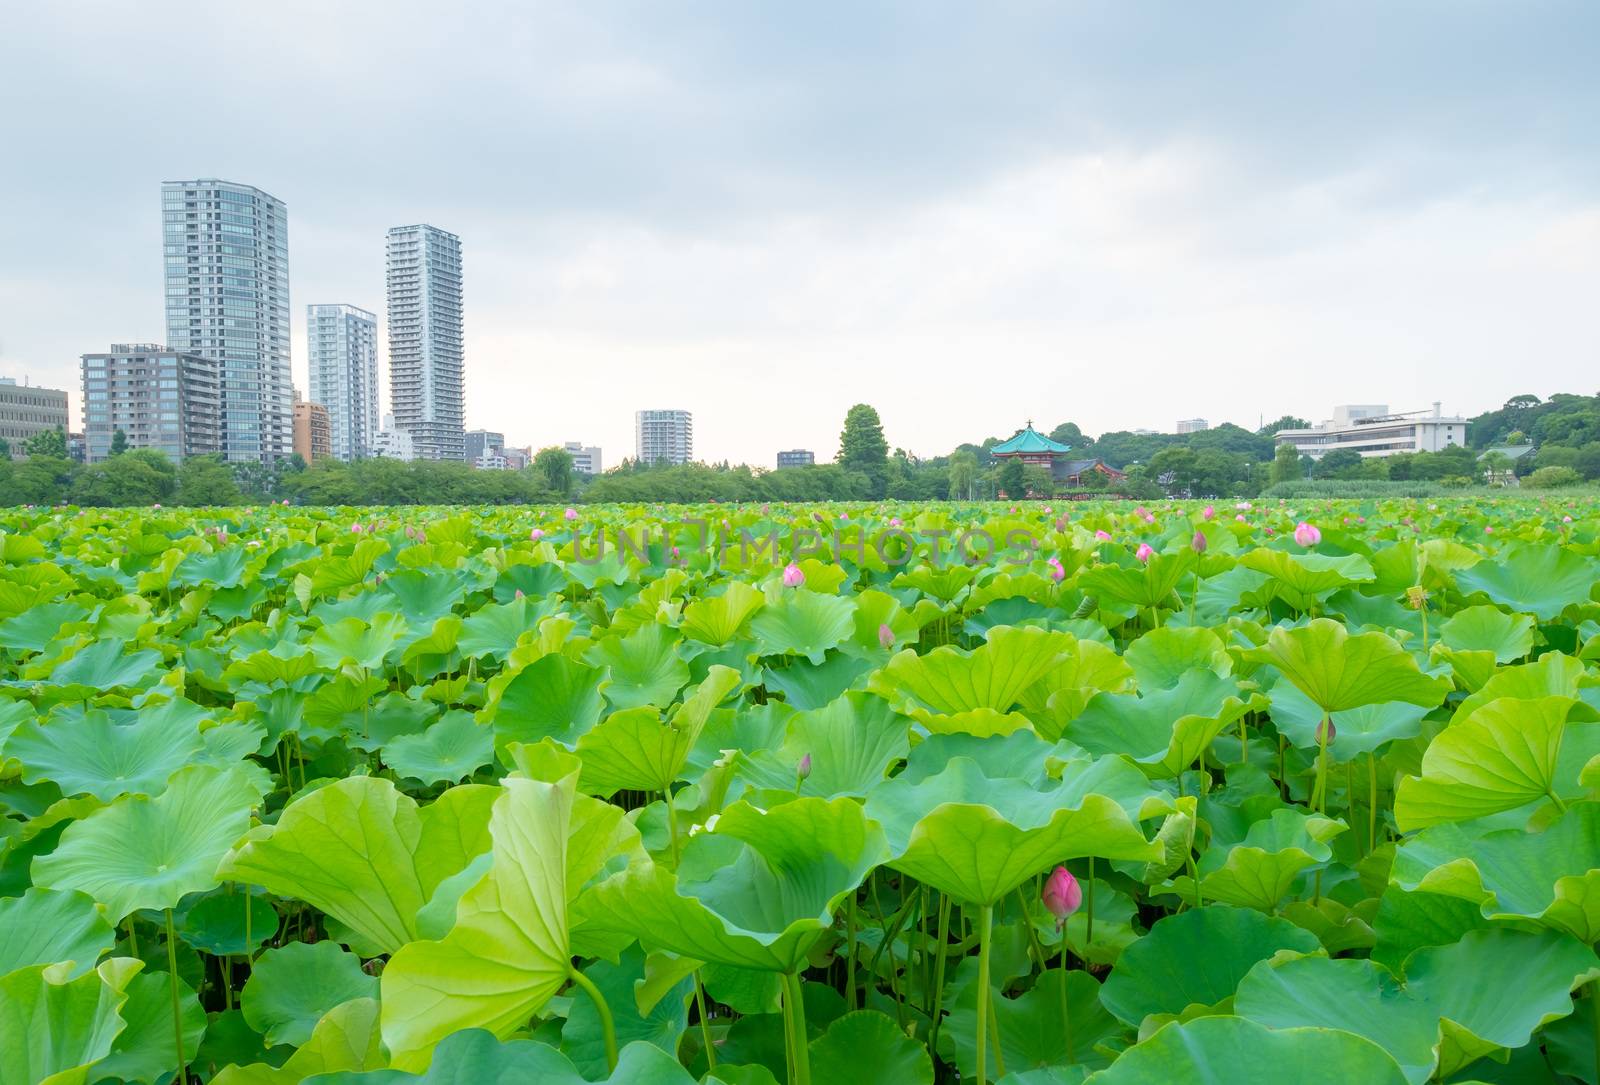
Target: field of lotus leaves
<point>1292,793</point>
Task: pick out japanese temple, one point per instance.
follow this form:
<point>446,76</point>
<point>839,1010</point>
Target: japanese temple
<point>1034,449</point>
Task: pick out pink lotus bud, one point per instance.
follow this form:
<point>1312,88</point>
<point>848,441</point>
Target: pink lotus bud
<point>1326,732</point>
<point>885,636</point>
<point>803,769</point>
<point>1062,895</point>
<point>1208,512</point>
<point>1144,553</point>
<point>1140,511</point>
<point>894,521</point>
<point>1240,518</point>
<point>355,529</point>
<point>793,577</point>
<point>1198,543</point>
<point>1061,523</point>
<point>1566,519</point>
<point>765,509</point>
<point>1488,530</point>
<point>1047,510</point>
<point>1102,535</point>
<point>157,505</point>
<point>519,594</point>
<point>285,501</point>
<point>378,579</point>
<point>1057,573</point>
<point>536,534</point>
<point>844,516</point>
<point>1306,534</point>
<point>571,514</point>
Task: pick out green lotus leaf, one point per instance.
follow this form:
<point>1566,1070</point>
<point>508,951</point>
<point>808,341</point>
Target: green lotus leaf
<point>977,837</point>
<point>353,642</point>
<point>218,924</point>
<point>645,666</point>
<point>1494,988</point>
<point>805,685</point>
<point>94,756</point>
<point>1502,756</point>
<point>757,890</point>
<point>453,747</point>
<point>1148,585</point>
<point>1196,959</point>
<point>994,675</point>
<point>636,749</point>
<point>803,622</point>
<point>1356,730</point>
<point>290,989</point>
<point>1337,671</point>
<point>1353,996</point>
<point>1241,1052</point>
<point>876,609</point>
<point>550,697</point>
<point>1407,921</point>
<point>1259,871</point>
<point>366,854</point>
<point>146,1048</point>
<point>49,926</point>
<point>1165,729</point>
<point>346,1039</point>
<point>581,1037</point>
<point>1551,675</point>
<point>1032,1034</point>
<point>476,1057</point>
<point>494,628</point>
<point>333,572</point>
<point>508,952</point>
<point>852,742</point>
<point>868,1046</point>
<point>140,852</point>
<point>35,628</point>
<point>286,662</point>
<point>54,1028</point>
<point>1552,875</point>
<point>102,666</point>
<point>218,569</point>
<point>1163,656</point>
<point>1509,637</point>
<point>720,618</point>
<point>1531,579</point>
<point>1300,579</point>
<point>422,598</point>
<point>1084,668</point>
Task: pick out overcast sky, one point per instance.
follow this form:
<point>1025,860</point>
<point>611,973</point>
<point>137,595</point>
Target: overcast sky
<point>965,214</point>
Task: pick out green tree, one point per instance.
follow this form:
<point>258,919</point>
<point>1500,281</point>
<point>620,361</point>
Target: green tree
<point>1550,478</point>
<point>1070,435</point>
<point>50,442</point>
<point>119,443</point>
<point>140,477</point>
<point>1011,480</point>
<point>862,447</point>
<point>1341,463</point>
<point>963,473</point>
<point>555,466</point>
<point>5,449</point>
<point>1286,464</point>
<point>1288,421</point>
<point>206,480</point>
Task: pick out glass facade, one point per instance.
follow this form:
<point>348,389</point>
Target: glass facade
<point>342,343</point>
<point>426,360</point>
<point>227,295</point>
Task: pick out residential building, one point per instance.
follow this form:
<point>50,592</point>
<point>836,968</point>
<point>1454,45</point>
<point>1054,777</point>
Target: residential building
<point>313,430</point>
<point>227,292</point>
<point>491,459</point>
<point>797,457</point>
<point>26,410</point>
<point>663,436</point>
<point>480,441</point>
<point>1193,425</point>
<point>342,344</point>
<point>426,361</point>
<point>392,442</point>
<point>517,458</point>
<point>585,458</point>
<point>1373,431</point>
<point>158,397</point>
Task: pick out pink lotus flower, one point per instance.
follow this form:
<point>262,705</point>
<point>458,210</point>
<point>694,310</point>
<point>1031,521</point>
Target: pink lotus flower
<point>1240,518</point>
<point>1566,519</point>
<point>1488,530</point>
<point>1047,510</point>
<point>1144,553</point>
<point>571,514</point>
<point>1062,895</point>
<point>894,521</point>
<point>519,594</point>
<point>1198,543</point>
<point>355,529</point>
<point>1207,513</point>
<point>1306,534</point>
<point>1102,535</point>
<point>803,769</point>
<point>885,636</point>
<point>793,577</point>
<point>1057,573</point>
<point>1242,505</point>
<point>157,505</point>
<point>536,534</point>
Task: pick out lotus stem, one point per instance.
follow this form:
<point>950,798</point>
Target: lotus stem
<point>672,825</point>
<point>1594,1008</point>
<point>1372,811</point>
<point>985,927</point>
<point>705,1022</point>
<point>1088,913</point>
<point>937,1009</point>
<point>999,1052</point>
<point>133,939</point>
<point>793,994</point>
<point>1066,1021</point>
<point>1322,765</point>
<point>177,1001</point>
<point>608,1027</point>
<point>850,953</point>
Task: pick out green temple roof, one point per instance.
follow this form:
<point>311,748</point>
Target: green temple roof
<point>1028,440</point>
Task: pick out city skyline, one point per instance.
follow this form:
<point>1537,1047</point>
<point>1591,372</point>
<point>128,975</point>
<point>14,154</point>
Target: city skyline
<point>1154,214</point>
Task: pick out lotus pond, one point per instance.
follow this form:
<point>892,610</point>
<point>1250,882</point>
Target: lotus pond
<point>1301,792</point>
